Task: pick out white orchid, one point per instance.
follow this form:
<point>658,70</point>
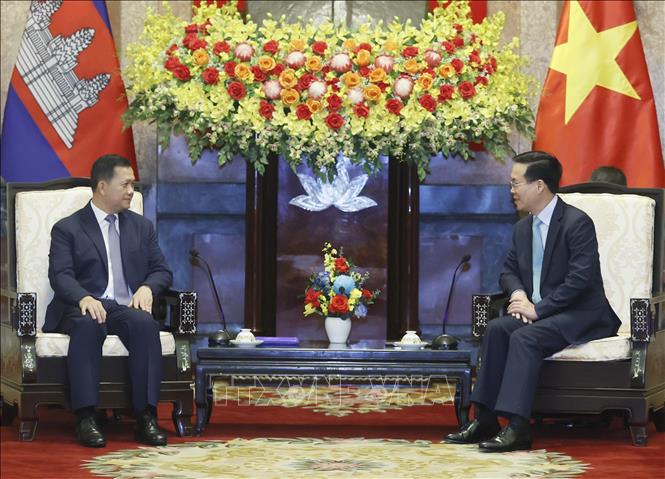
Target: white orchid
<point>342,193</point>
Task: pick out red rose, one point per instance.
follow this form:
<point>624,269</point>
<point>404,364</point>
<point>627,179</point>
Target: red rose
<point>361,110</point>
<point>428,102</point>
<point>325,70</point>
<point>305,81</point>
<point>181,72</point>
<point>229,69</point>
<point>171,49</point>
<point>481,80</point>
<point>466,89</point>
<point>382,85</point>
<point>446,93</point>
<point>312,297</point>
<point>236,90</point>
<point>259,75</point>
<point>334,103</point>
<point>197,44</point>
<point>410,52</point>
<point>210,75</point>
<point>189,38</point>
<point>303,112</point>
<point>474,58</point>
<point>172,63</point>
<point>458,42</point>
<point>266,109</point>
<point>279,68</point>
<point>457,64</point>
<point>339,304</point>
<point>319,47</point>
<point>364,46</point>
<point>334,121</point>
<point>458,27</point>
<point>394,106</point>
<point>367,294</point>
<point>192,28</point>
<point>364,71</point>
<point>488,68</point>
<point>448,46</point>
<point>271,46</point>
<point>341,265</point>
<point>221,47</point>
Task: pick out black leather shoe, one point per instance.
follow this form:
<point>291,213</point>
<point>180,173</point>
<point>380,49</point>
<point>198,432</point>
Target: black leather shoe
<point>473,432</point>
<point>509,439</point>
<point>88,433</point>
<point>148,432</point>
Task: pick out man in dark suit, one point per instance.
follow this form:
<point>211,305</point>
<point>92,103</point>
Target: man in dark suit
<point>552,276</point>
<point>105,266</point>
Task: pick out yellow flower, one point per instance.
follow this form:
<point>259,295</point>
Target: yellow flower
<point>390,45</point>
<point>372,92</point>
<point>355,293</point>
<point>266,63</point>
<point>200,57</point>
<point>313,64</point>
<point>309,309</point>
<point>411,65</point>
<point>363,58</point>
<point>446,70</point>
<point>350,44</point>
<point>289,96</point>
<point>425,81</point>
<point>314,105</point>
<point>352,79</point>
<point>288,78</point>
<point>377,75</point>
<point>243,72</point>
<point>298,44</point>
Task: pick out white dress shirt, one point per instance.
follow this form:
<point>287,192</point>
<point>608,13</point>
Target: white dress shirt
<point>104,225</point>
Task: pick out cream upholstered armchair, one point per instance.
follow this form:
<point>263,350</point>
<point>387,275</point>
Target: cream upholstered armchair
<point>625,372</point>
<point>33,362</point>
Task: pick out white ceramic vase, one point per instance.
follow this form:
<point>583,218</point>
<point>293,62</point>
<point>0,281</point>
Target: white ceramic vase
<point>338,329</point>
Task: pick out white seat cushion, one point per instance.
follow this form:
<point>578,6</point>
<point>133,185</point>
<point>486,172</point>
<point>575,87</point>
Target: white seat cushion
<point>614,348</point>
<point>56,344</point>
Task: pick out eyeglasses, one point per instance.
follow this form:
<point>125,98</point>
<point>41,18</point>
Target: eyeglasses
<point>515,184</point>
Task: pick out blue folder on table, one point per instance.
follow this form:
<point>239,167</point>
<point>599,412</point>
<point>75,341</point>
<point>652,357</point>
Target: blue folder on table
<point>278,341</point>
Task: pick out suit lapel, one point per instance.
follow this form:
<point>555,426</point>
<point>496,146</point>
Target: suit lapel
<point>126,240</point>
<point>91,228</point>
<point>552,236</point>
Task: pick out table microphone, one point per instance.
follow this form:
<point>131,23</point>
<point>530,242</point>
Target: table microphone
<point>446,341</point>
<point>221,337</point>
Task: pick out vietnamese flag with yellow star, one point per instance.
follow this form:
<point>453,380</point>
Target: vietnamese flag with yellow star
<point>597,106</point>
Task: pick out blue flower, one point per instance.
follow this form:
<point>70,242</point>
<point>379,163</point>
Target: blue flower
<point>343,284</point>
<point>322,282</point>
<point>361,310</point>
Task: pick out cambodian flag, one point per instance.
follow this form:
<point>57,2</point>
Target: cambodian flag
<point>66,95</point>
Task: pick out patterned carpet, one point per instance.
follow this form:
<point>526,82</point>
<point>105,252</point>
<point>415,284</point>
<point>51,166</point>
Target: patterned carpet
<point>277,458</point>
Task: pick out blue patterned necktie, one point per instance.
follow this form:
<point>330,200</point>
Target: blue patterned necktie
<point>538,250</point>
<point>120,290</point>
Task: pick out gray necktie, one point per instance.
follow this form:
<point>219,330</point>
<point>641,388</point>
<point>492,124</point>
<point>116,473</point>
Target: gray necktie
<point>120,290</point>
<point>538,250</point>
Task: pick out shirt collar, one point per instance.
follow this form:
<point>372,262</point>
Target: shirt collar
<point>546,213</point>
<point>100,214</point>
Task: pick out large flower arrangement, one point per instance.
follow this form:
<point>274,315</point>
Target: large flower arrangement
<point>309,92</point>
<point>338,291</point>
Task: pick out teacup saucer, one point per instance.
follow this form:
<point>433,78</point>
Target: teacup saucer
<point>245,344</point>
<point>410,346</point>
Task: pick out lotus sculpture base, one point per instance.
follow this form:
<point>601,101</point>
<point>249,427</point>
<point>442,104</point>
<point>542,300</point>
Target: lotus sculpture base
<point>338,330</point>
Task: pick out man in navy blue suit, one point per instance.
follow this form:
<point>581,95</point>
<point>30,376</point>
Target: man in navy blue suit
<point>552,276</point>
<point>105,267</point>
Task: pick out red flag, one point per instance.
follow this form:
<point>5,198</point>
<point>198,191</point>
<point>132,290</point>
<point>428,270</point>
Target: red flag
<point>478,8</point>
<point>597,105</point>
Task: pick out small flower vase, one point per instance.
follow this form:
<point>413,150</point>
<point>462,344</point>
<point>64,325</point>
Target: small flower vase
<point>338,329</point>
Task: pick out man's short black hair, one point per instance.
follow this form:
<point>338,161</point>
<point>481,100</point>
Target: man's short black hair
<point>104,168</point>
<point>608,174</point>
<point>541,166</point>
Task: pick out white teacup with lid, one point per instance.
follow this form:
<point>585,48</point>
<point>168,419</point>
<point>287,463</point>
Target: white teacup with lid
<point>245,336</point>
<point>411,338</point>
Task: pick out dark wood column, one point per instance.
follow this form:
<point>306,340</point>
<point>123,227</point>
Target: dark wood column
<point>403,249</point>
<point>261,242</point>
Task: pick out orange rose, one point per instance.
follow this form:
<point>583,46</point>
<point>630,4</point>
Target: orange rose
<point>446,70</point>
<point>266,63</point>
<point>313,64</point>
<point>351,79</point>
<point>314,105</point>
<point>363,58</point>
<point>350,44</point>
<point>288,78</point>
<point>377,75</point>
<point>372,92</point>
<point>243,72</point>
<point>339,304</point>
<point>425,81</point>
<point>200,56</point>
<point>298,44</point>
<point>411,65</point>
<point>289,96</point>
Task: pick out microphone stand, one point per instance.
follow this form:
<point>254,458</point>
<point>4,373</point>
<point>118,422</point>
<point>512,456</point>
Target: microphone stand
<point>447,341</point>
<point>221,337</point>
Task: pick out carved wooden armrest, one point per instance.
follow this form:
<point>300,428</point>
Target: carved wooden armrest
<point>183,306</point>
<point>484,308</point>
<point>23,312</point>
